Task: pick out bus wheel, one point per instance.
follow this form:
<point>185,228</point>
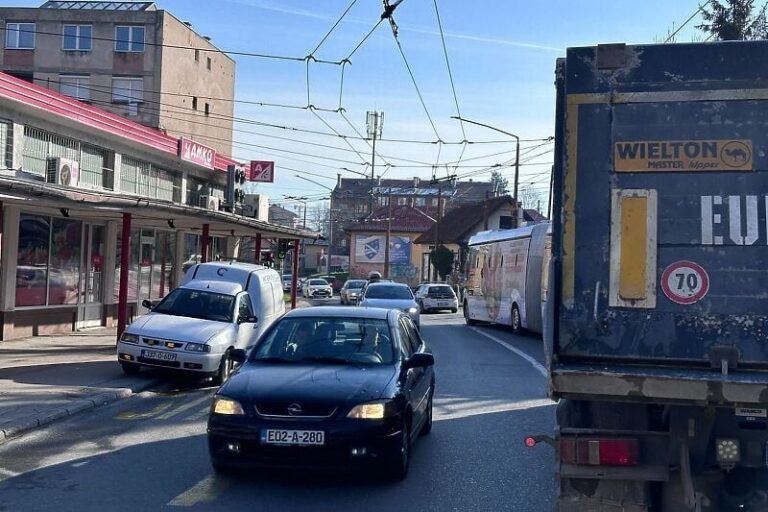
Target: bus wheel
<point>468,320</point>
<point>516,325</point>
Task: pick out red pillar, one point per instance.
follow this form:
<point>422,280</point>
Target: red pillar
<point>204,242</point>
<point>125,264</point>
<point>257,249</point>
<point>295,273</point>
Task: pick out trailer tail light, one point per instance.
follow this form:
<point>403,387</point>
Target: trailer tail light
<point>599,451</point>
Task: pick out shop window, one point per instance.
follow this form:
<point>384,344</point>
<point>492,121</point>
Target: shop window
<point>48,262</point>
<point>77,37</point>
<point>20,36</point>
<point>129,39</point>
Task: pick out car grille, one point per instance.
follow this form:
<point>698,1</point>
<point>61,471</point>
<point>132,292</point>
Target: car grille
<point>307,411</point>
<point>162,343</point>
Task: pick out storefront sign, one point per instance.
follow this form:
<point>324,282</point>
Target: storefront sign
<point>196,153</point>
<point>263,172</point>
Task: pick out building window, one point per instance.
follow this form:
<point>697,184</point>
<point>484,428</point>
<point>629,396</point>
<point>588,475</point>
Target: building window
<point>77,37</point>
<point>208,64</point>
<point>75,86</point>
<point>6,144</point>
<point>194,102</point>
<point>127,90</point>
<point>48,263</point>
<point>402,201</point>
<point>505,222</point>
<point>207,109</point>
<point>20,36</point>
<point>197,55</point>
<point>129,39</point>
<point>421,201</point>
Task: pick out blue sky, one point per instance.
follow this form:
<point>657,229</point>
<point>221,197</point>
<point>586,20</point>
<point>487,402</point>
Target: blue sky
<point>502,54</point>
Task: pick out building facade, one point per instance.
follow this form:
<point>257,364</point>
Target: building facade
<point>128,58</point>
<point>80,187</point>
<point>354,198</point>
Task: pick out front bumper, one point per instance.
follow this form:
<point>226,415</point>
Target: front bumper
<point>236,442</point>
<point>207,362</point>
<point>320,293</point>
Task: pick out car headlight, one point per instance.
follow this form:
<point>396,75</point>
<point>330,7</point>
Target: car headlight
<point>227,407</point>
<point>197,347</point>
<point>371,411</point>
<point>129,338</point>
<point>412,311</point>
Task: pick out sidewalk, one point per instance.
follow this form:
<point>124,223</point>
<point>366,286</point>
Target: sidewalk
<point>46,378</point>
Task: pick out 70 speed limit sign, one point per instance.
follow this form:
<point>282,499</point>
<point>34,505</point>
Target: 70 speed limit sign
<point>685,282</point>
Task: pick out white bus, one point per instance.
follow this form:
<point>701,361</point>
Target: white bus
<point>507,277</point>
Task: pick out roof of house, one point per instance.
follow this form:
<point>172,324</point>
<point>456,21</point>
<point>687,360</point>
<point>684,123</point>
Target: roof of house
<point>278,212</point>
<point>465,191</point>
<point>408,219</point>
<point>457,225</point>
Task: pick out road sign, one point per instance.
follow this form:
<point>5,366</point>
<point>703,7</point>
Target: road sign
<point>685,282</point>
<point>263,172</point>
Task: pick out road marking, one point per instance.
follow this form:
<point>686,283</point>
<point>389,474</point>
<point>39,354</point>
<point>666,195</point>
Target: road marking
<point>133,415</point>
<point>539,367</point>
<point>191,404</point>
<point>79,464</point>
<point>204,491</point>
<point>449,412</point>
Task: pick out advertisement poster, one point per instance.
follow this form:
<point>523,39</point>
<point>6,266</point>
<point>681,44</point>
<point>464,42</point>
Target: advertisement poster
<point>371,249</point>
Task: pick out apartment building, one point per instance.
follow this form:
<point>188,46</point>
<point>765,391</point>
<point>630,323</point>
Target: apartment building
<point>129,58</point>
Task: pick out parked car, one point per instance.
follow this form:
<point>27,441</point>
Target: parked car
<point>317,288</point>
<point>219,307</point>
<point>325,387</point>
<point>391,296</point>
<point>350,292</point>
<point>287,280</point>
<point>436,296</point>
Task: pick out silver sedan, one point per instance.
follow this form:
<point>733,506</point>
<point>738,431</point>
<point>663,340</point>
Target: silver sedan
<point>391,296</point>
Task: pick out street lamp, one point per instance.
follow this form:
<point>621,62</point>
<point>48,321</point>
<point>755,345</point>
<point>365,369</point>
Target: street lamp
<point>517,159</point>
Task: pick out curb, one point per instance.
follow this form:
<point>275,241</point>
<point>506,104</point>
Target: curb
<point>17,428</point>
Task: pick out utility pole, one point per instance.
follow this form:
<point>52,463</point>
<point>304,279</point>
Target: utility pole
<point>374,123</point>
<point>437,231</point>
<point>389,235</point>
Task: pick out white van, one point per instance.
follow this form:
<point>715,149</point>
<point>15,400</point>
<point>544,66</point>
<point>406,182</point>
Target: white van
<point>218,307</point>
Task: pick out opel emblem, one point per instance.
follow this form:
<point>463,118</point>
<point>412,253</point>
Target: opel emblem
<point>294,409</point>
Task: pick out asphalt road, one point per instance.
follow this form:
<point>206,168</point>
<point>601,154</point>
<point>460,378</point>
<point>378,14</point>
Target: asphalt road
<point>149,452</point>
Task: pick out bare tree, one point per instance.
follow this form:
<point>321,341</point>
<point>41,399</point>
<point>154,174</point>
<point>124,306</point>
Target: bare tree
<point>530,198</point>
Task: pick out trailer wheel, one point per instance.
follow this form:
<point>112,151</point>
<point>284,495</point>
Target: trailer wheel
<point>516,322</point>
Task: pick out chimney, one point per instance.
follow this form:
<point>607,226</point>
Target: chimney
<point>338,181</point>
<point>416,182</point>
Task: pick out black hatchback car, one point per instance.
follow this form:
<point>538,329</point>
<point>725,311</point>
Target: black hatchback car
<point>326,387</point>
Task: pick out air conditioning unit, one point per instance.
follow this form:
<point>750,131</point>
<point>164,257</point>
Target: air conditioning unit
<point>210,203</point>
<point>256,206</point>
<point>63,171</point>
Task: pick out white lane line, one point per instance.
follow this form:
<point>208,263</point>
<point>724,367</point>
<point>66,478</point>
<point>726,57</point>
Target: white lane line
<point>204,491</point>
<point>443,412</point>
<point>516,350</point>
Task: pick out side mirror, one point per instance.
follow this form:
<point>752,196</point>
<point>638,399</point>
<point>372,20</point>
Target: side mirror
<point>247,320</point>
<point>147,304</point>
<point>419,360</point>
<point>238,355</point>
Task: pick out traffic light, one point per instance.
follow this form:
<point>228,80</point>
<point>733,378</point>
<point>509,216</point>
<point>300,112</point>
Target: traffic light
<point>235,187</point>
<point>282,248</point>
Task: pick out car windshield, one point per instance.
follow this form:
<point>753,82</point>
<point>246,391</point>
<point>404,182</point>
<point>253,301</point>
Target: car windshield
<point>198,304</point>
<point>389,292</point>
<point>441,289</point>
<point>327,340</point>
<point>318,282</point>
<point>355,284</point>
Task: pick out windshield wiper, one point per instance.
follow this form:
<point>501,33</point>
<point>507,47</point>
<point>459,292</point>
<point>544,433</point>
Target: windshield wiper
<point>325,359</point>
<point>273,359</point>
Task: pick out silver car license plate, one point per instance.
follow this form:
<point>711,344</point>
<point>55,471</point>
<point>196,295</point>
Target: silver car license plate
<point>293,437</point>
<point>156,354</point>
